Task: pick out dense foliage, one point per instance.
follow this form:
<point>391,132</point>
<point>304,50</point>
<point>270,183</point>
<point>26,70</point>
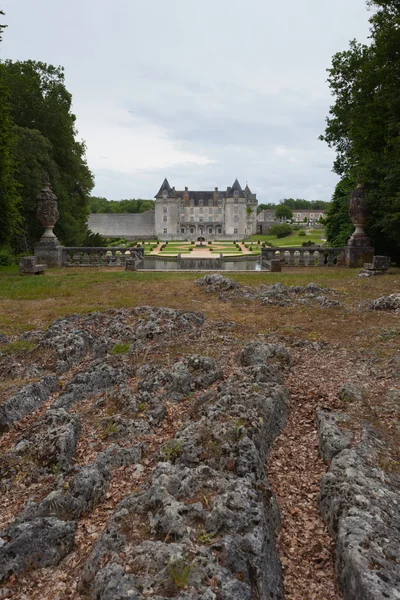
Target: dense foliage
<point>37,132</point>
<point>280,230</point>
<point>297,203</point>
<point>102,205</point>
<point>364,128</point>
<point>283,211</point>
<point>45,139</point>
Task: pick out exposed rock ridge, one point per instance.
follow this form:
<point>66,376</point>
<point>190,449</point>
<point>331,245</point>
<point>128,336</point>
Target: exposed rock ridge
<point>360,501</point>
<point>203,528</point>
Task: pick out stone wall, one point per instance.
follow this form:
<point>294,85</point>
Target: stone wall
<point>127,225</point>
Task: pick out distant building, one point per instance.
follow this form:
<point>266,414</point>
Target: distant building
<point>181,215</point>
<point>208,214</point>
<point>267,217</point>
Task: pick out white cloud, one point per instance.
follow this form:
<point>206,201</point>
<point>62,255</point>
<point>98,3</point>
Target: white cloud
<point>217,90</point>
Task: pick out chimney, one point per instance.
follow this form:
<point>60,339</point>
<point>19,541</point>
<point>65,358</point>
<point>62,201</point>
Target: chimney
<point>216,189</point>
<point>186,188</point>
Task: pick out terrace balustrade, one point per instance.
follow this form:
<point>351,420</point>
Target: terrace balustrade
<point>99,257</point>
<point>302,257</point>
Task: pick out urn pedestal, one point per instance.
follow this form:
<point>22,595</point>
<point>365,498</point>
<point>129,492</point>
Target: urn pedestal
<point>358,250</point>
<point>48,249</point>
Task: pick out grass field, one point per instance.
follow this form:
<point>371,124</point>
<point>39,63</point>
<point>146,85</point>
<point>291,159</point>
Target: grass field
<point>294,239</point>
<point>34,302</point>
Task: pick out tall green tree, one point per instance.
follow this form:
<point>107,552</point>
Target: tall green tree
<point>9,194</point>
<point>364,122</point>
<point>41,103</point>
<point>283,211</point>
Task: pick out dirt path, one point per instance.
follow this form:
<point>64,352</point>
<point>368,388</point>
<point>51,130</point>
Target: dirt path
<point>295,471</point>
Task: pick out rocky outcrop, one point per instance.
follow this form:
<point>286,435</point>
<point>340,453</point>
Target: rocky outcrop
<point>332,437</point>
<point>34,544</point>
<point>391,302</point>
<point>205,526</point>
<point>360,501</point>
<point>276,294</point>
<point>28,399</point>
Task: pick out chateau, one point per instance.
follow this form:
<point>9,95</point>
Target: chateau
<point>210,215</point>
<point>186,215</point>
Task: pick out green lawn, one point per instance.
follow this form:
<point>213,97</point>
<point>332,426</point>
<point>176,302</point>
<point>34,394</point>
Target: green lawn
<point>294,239</point>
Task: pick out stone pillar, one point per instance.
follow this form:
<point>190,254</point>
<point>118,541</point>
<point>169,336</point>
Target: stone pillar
<point>48,249</point>
<point>358,250</point>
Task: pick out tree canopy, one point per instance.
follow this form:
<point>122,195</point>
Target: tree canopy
<point>364,128</point>
<point>45,138</point>
<point>283,211</point>
<point>102,205</point>
<point>37,132</point>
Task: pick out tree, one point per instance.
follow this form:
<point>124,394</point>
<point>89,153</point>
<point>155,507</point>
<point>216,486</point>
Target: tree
<point>284,212</point>
<point>9,194</point>
<point>40,102</point>
<point>262,207</point>
<point>364,124</point>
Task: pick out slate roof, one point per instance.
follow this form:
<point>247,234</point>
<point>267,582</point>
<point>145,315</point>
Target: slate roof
<point>166,187</point>
<point>205,195</point>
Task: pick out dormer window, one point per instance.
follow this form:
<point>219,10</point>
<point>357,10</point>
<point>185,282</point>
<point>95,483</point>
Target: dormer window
<point>236,194</point>
<point>210,203</point>
<point>192,202</point>
<point>165,194</point>
<point>201,202</point>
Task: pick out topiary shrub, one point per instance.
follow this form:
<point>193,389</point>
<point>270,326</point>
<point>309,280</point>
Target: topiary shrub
<point>302,233</point>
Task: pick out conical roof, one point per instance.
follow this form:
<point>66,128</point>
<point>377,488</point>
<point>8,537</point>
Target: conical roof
<point>236,187</point>
<point>166,188</point>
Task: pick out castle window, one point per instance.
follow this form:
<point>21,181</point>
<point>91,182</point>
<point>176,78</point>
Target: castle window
<point>201,202</point>
<point>210,230</point>
<point>210,209</point>
<point>236,199</point>
<point>165,230</point>
<point>201,210</point>
<point>210,202</point>
<point>236,218</point>
<point>219,230</point>
<point>182,218</point>
<point>192,202</point>
<point>219,209</point>
<point>236,194</point>
<point>210,219</point>
<point>182,230</point>
<point>191,210</point>
<point>191,230</point>
<point>191,219</point>
<point>165,209</point>
<point>236,209</point>
<point>235,231</point>
<point>165,219</point>
<point>165,194</point>
<point>201,219</point>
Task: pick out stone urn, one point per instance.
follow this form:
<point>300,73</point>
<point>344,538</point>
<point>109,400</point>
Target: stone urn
<point>359,213</point>
<point>47,209</point>
<point>358,250</point>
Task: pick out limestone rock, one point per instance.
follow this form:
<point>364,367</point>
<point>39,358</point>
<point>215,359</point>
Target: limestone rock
<point>332,438</point>
<point>28,399</point>
<point>39,543</point>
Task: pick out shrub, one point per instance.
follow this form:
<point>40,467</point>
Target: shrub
<point>6,257</point>
<point>281,230</point>
<point>209,243</point>
<point>302,233</point>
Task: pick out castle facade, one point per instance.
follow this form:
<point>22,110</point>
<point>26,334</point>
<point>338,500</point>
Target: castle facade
<point>212,215</point>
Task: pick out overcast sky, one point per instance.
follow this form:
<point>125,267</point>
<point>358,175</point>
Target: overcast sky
<point>198,91</point>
